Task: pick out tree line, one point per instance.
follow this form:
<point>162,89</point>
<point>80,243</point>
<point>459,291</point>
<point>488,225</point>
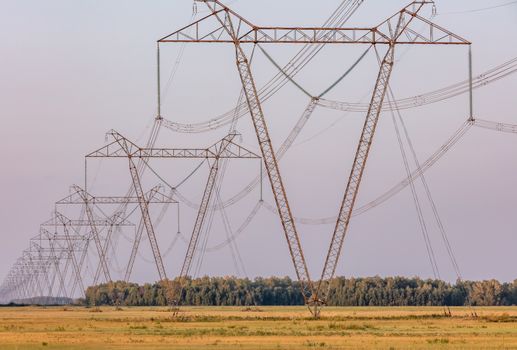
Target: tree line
<point>369,291</point>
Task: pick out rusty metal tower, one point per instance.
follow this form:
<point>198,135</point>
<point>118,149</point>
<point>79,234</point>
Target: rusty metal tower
<point>225,26</point>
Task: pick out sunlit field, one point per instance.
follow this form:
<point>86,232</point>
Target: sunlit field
<point>256,328</point>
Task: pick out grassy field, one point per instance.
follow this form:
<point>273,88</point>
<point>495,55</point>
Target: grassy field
<point>256,328</point>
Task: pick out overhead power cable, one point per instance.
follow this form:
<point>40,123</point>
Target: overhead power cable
<point>430,198</point>
<point>481,9</point>
<point>501,127</point>
<point>437,155</point>
<point>490,76</point>
<point>240,230</point>
<point>174,188</point>
<point>288,77</point>
<point>394,114</point>
<point>418,206</point>
<point>458,134</point>
<point>332,86</point>
<point>344,75</point>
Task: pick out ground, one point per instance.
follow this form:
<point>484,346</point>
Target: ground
<point>256,328</point>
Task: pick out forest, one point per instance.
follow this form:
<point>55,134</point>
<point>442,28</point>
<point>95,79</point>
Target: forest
<point>369,291</point>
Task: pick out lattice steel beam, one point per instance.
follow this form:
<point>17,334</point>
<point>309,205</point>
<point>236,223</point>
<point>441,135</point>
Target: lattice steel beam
<point>213,29</point>
<point>121,147</point>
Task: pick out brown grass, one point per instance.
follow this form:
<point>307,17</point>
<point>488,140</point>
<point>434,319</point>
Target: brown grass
<point>256,328</point>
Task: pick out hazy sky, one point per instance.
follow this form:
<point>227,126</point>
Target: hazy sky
<point>72,70</point>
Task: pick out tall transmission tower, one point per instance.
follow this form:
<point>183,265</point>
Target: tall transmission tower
<point>70,232</point>
<point>223,25</point>
<point>121,147</point>
<point>80,197</point>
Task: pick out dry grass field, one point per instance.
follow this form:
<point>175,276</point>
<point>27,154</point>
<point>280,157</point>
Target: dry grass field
<point>256,328</point>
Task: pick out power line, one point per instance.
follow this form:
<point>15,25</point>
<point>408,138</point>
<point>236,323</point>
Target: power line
<point>480,9</point>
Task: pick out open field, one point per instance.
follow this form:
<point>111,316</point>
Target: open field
<point>256,328</point>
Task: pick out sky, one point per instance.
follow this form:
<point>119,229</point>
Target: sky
<point>72,70</point>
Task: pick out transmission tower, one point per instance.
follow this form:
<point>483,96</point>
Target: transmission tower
<point>121,147</point>
<point>223,25</point>
<point>80,197</point>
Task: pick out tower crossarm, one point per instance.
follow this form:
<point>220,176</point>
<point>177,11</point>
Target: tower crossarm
<point>122,148</point>
<point>78,223</point>
<point>211,29</point>
<point>155,196</point>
